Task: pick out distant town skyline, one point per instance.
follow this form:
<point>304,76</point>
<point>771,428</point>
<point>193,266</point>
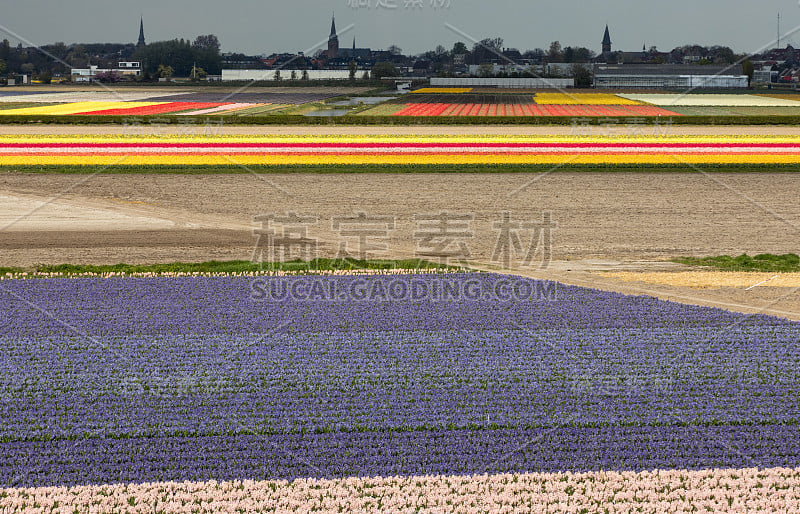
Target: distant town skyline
<point>254,27</point>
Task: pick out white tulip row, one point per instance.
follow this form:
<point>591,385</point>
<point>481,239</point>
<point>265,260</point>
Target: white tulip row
<point>700,100</point>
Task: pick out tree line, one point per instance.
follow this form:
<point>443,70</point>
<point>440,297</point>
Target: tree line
<point>163,58</point>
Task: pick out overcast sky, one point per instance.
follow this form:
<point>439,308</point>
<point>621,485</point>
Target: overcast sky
<point>266,26</point>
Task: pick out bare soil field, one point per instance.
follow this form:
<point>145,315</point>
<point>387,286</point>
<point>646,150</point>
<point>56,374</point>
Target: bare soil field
<point>711,279</point>
<point>629,222</point>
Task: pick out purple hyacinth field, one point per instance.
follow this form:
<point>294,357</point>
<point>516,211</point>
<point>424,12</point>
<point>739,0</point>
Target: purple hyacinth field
<point>164,379</point>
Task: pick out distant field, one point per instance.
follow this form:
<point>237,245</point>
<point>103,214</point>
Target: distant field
<point>20,105</point>
<point>149,102</point>
<point>736,111</point>
<point>485,102</point>
<point>706,100</point>
<point>294,105</point>
<point>784,96</point>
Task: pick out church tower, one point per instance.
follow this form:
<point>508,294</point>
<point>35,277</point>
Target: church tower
<point>141,33</point>
<point>333,41</point>
<point>607,42</point>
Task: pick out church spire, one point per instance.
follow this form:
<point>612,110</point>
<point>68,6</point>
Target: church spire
<point>606,41</point>
<point>333,40</point>
<point>141,32</point>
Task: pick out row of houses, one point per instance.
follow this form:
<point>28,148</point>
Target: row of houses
<point>779,65</point>
<point>634,70</point>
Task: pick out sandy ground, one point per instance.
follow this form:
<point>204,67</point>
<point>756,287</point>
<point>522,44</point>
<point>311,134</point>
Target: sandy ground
<point>710,279</point>
<point>607,222</point>
<point>776,301</point>
<point>29,214</point>
<point>216,129</point>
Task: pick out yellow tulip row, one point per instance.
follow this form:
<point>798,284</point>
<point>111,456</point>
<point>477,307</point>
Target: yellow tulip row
<point>444,90</point>
<point>344,139</point>
<point>582,99</point>
<point>368,159</point>
<point>75,108</point>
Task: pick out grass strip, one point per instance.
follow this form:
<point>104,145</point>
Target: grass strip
<point>786,263</point>
<point>223,267</point>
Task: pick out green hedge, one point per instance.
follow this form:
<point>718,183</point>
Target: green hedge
<point>320,264</point>
<point>621,123</point>
<point>786,263</point>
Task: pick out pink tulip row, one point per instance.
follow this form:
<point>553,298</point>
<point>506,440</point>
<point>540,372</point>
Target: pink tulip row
<point>730,490</point>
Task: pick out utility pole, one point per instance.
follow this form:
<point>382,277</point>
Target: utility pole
<point>779,31</point>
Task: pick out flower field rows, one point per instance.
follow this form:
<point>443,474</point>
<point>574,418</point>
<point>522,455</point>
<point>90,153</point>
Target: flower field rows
<point>448,90</point>
<point>137,95</point>
<point>736,110</point>
<point>224,109</point>
<point>511,109</point>
<point>133,108</point>
<point>159,392</point>
<point>495,102</point>
<point>582,99</point>
<point>399,150</point>
<point>160,108</point>
<point>459,102</point>
<point>161,102</point>
<point>75,108</point>
<point>745,490</point>
<point>431,101</point>
<point>708,100</point>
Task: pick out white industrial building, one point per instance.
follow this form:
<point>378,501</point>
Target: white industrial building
<point>268,75</point>
<point>634,76</point>
<point>518,83</point>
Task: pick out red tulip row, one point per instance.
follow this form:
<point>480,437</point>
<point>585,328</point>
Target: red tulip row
<point>157,109</point>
